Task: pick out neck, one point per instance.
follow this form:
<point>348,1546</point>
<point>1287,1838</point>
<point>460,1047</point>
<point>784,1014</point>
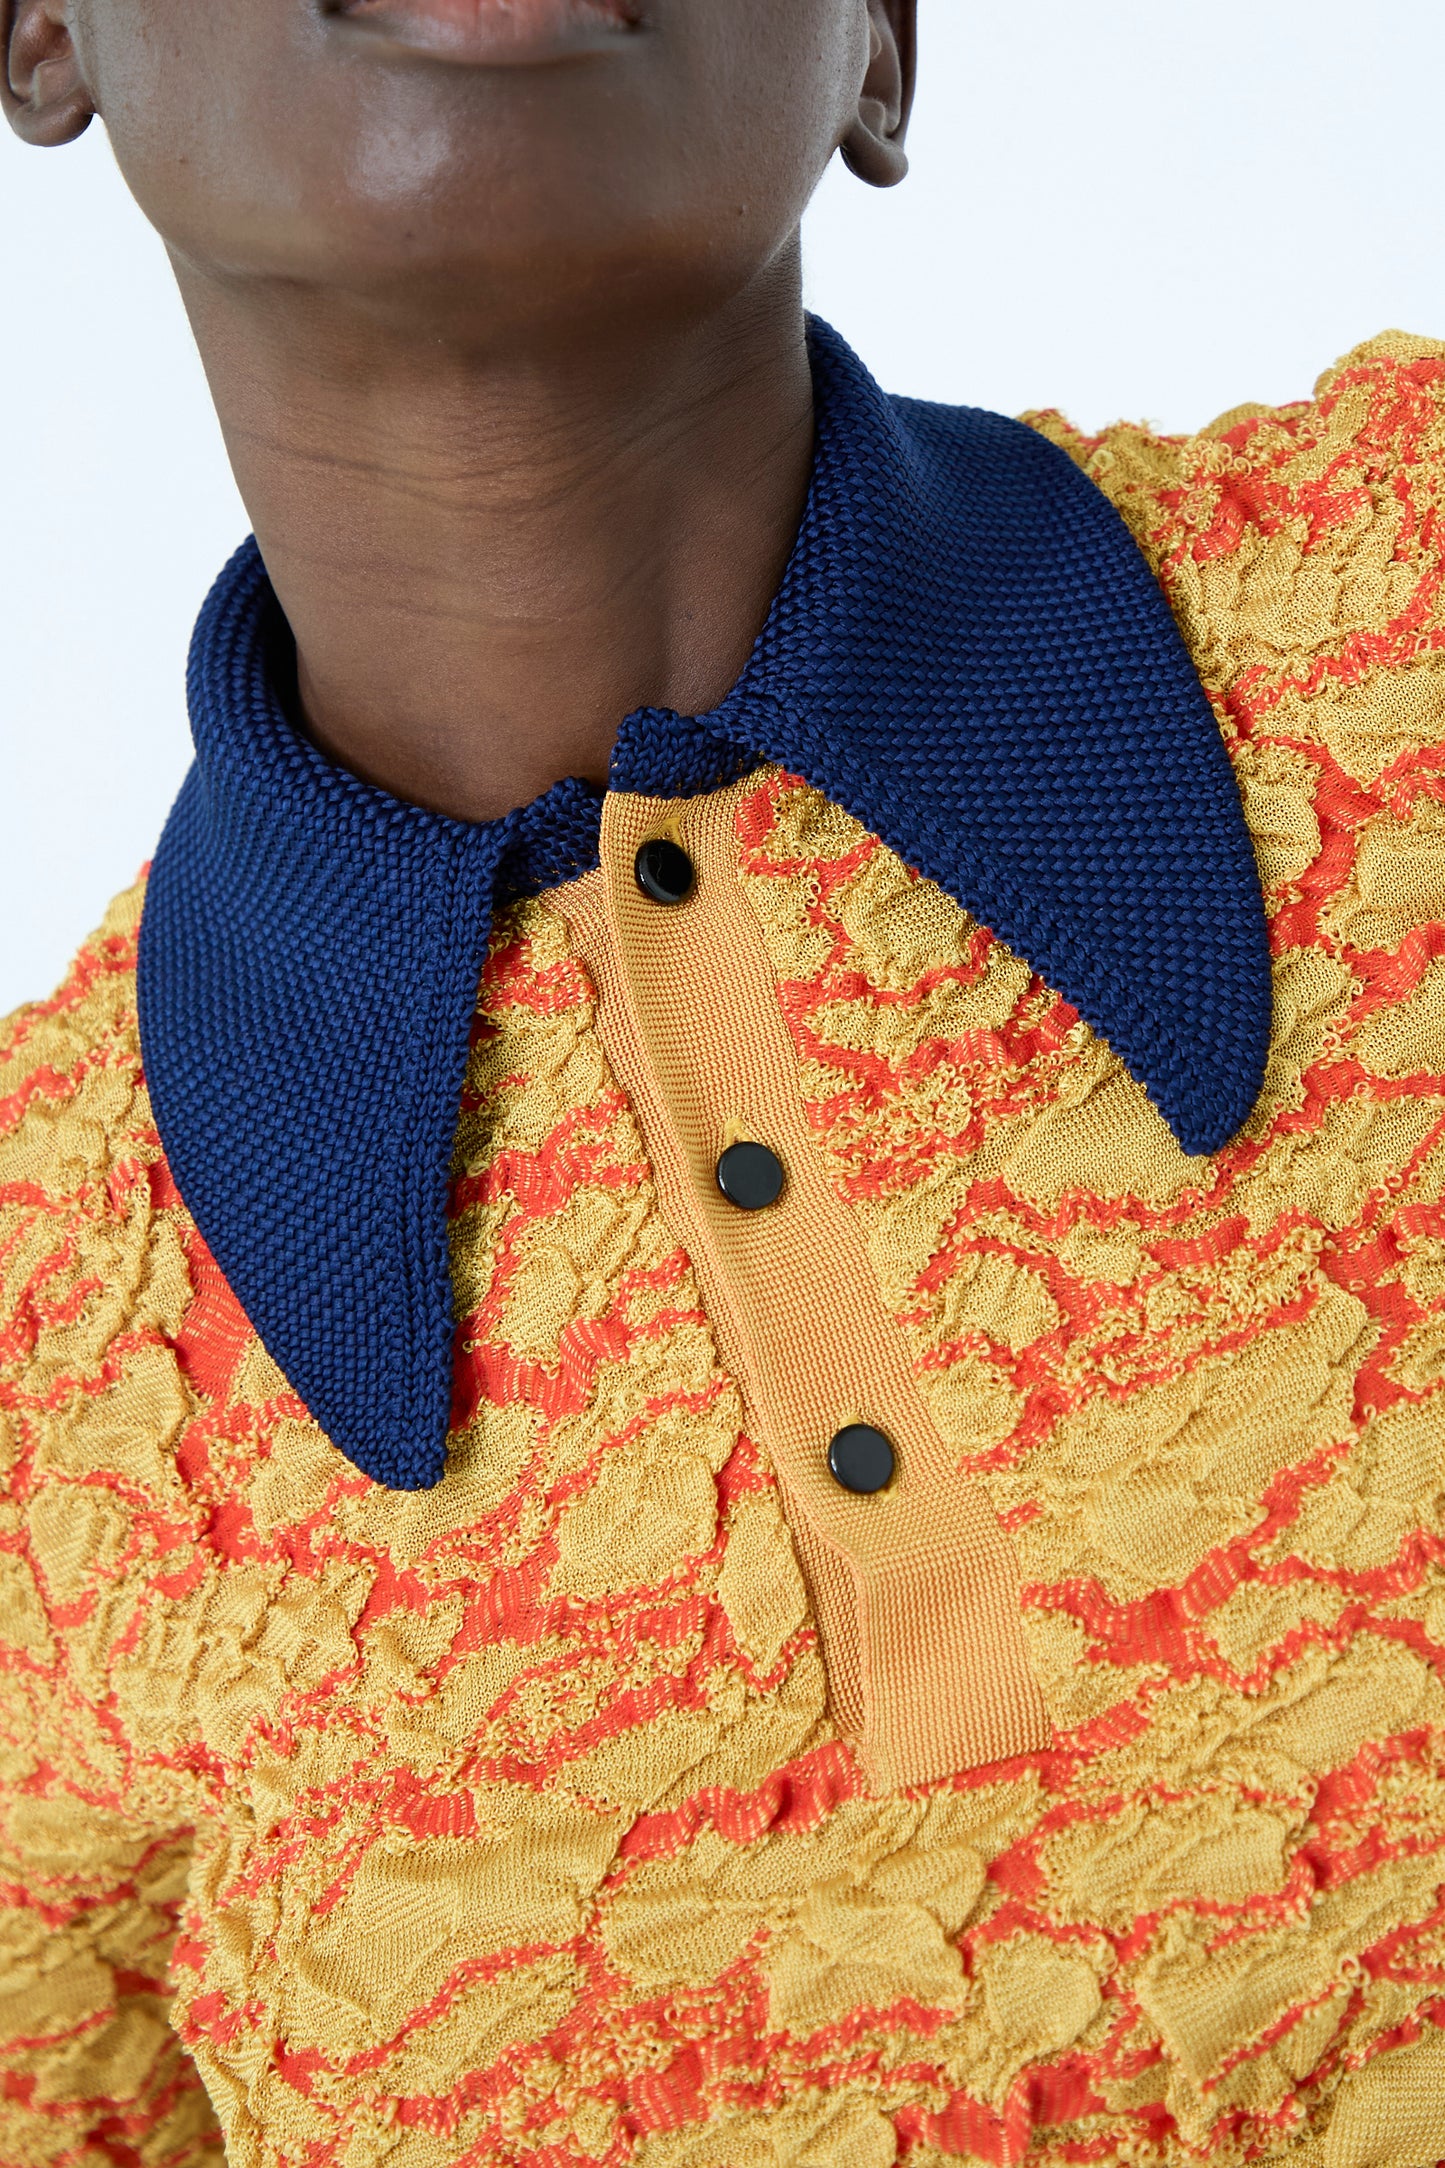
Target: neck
<point>488,560</point>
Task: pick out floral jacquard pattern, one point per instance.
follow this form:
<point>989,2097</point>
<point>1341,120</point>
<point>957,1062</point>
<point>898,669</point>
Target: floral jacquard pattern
<point>375,1776</point>
<point>1208,1396</point>
<point>506,1822</point>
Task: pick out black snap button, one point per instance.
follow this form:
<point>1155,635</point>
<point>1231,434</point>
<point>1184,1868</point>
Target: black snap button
<point>750,1176</point>
<point>664,871</point>
<point>861,1459</point>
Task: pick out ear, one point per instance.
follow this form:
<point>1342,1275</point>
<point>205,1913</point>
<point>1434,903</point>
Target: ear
<point>873,146</point>
<point>42,88</point>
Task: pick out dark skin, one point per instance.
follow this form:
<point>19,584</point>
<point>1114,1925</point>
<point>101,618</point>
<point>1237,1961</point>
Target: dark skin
<point>500,304</point>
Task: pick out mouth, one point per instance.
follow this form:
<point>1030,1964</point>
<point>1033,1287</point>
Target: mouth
<point>491,33</point>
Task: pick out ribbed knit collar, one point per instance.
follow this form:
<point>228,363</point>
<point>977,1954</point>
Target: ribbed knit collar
<point>967,653</point>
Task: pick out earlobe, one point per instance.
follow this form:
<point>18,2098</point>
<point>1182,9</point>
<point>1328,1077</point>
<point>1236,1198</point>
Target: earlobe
<point>874,146</point>
<point>43,89</point>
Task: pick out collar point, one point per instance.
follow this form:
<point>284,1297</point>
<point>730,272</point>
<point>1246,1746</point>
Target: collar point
<point>397,1472</point>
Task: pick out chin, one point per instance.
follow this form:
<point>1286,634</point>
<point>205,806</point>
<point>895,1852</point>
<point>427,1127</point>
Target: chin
<point>313,143</point>
<point>443,269</point>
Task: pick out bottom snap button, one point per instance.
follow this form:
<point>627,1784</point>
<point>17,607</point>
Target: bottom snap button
<point>861,1459</point>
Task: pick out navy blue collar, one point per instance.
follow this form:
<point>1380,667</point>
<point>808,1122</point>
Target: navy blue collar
<point>968,653</point>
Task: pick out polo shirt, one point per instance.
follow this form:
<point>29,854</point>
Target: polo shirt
<point>748,1470</point>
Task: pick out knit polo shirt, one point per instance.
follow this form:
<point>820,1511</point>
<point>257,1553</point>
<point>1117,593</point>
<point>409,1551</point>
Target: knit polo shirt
<point>449,1711</point>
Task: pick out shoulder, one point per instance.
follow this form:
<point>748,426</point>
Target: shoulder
<point>71,1090</point>
<point>1301,546</point>
<point>93,1277</point>
<point>1302,549</point>
<point>70,1078</point>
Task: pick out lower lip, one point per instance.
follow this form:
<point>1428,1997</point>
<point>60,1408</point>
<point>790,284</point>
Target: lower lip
<point>494,33</point>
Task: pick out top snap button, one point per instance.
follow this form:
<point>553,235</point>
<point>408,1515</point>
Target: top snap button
<point>665,873</point>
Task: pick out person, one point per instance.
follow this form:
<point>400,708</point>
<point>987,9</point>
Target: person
<point>723,1358</point>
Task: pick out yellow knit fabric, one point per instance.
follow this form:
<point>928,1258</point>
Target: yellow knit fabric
<point>507,1822</point>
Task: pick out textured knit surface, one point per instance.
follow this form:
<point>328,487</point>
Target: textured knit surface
<point>505,1821</point>
<point>967,652</point>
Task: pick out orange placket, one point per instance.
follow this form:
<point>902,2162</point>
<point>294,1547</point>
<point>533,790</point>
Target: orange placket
<point>915,1589</point>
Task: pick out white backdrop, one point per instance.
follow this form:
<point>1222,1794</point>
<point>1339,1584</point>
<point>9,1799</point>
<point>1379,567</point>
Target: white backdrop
<point>1125,207</point>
